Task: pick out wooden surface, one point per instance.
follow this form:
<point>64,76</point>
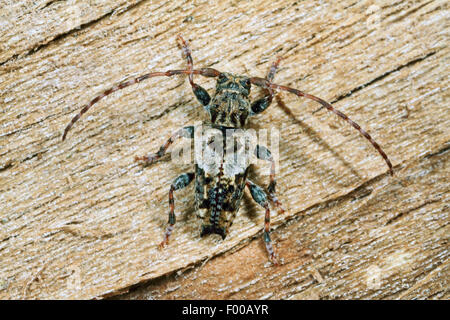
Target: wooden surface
<point>80,219</point>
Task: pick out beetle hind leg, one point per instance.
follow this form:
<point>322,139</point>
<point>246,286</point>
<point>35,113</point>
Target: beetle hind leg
<point>260,197</point>
<point>181,182</point>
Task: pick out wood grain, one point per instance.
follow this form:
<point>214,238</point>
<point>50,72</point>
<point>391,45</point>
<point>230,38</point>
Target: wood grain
<point>80,219</point>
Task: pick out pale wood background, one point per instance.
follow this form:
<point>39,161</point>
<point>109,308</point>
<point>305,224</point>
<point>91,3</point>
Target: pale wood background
<point>79,219</point>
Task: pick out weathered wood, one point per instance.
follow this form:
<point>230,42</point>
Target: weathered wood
<point>80,219</point>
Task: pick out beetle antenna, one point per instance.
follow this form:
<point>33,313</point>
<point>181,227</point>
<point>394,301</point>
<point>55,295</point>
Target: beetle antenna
<point>206,72</point>
<point>268,85</point>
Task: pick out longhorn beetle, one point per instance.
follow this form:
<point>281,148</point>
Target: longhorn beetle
<point>219,189</point>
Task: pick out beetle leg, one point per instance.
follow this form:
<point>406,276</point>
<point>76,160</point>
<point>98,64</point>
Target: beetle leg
<point>200,93</point>
<point>187,132</point>
<point>205,72</point>
<point>262,104</point>
<point>180,182</point>
<point>264,83</point>
<point>263,153</point>
<point>260,197</point>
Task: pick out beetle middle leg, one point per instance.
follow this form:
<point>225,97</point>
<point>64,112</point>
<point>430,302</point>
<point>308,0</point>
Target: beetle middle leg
<point>180,182</point>
<point>187,132</point>
<point>263,153</point>
<point>260,197</point>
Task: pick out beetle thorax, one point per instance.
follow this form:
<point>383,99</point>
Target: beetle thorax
<point>230,106</point>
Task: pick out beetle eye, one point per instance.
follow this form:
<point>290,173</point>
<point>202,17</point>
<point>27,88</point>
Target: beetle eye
<point>245,83</point>
<point>222,78</point>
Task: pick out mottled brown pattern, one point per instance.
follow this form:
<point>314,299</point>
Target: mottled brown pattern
<point>230,107</point>
<point>230,191</point>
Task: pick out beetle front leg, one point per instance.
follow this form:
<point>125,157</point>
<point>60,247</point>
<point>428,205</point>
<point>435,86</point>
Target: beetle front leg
<point>181,182</point>
<point>260,197</point>
<point>201,94</point>
<point>263,103</point>
<point>187,132</point>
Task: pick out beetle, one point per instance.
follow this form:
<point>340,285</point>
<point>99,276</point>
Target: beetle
<point>220,182</point>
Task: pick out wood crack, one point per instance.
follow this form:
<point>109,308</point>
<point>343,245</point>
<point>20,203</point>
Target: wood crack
<point>404,213</point>
<point>379,78</point>
<point>63,35</point>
